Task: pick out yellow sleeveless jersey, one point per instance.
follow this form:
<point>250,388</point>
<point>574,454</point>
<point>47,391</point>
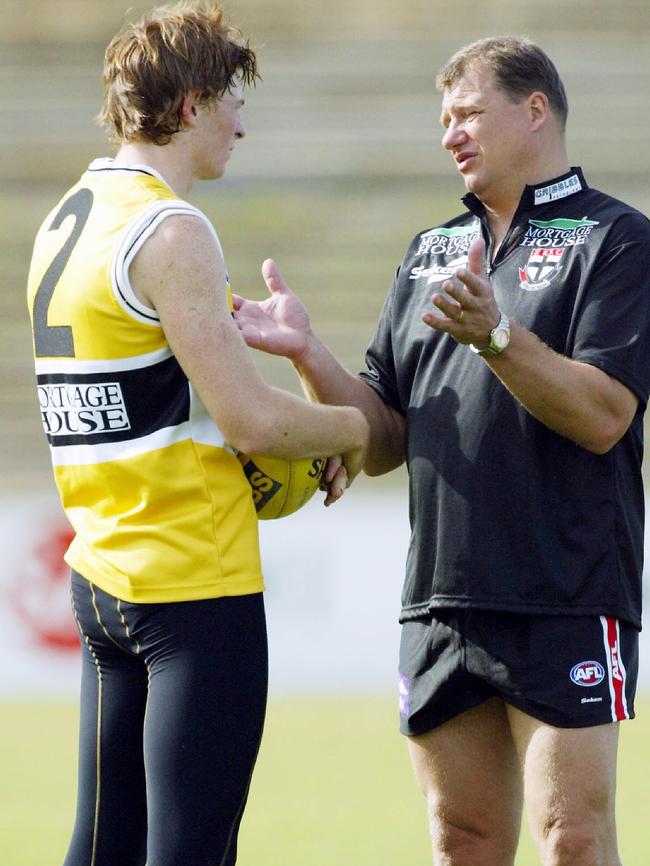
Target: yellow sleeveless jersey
<point>160,506</point>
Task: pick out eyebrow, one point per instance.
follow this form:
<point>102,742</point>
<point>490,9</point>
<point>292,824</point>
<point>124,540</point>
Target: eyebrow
<point>462,106</point>
<point>239,100</point>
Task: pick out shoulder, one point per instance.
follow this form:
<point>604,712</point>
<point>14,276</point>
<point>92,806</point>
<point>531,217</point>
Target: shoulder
<point>180,238</point>
<point>184,226</point>
<point>181,256</point>
<point>612,211</point>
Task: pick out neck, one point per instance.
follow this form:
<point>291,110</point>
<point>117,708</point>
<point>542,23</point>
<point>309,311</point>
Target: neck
<point>168,160</point>
<point>501,206</point>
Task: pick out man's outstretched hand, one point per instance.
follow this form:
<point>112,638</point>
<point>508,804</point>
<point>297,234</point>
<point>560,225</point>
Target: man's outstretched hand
<point>278,325</point>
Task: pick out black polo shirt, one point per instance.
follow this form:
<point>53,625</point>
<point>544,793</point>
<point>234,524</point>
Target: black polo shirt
<point>506,514</point>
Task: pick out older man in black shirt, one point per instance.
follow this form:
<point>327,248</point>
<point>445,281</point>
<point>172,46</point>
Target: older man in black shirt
<point>511,369</point>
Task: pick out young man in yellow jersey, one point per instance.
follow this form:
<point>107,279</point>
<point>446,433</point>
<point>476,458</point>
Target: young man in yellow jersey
<point>147,390</point>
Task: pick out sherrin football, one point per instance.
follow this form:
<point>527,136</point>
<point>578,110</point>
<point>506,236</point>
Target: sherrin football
<point>280,487</point>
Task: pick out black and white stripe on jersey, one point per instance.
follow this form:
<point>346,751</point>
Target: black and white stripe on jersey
<point>121,168</point>
<point>105,410</point>
<point>111,406</point>
<point>134,237</point>
<point>107,163</point>
<point>136,234</point>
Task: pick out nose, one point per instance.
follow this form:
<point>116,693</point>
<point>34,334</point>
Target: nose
<point>453,136</point>
<point>240,130</point>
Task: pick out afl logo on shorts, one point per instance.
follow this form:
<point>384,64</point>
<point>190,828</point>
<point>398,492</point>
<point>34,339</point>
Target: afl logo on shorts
<point>587,673</point>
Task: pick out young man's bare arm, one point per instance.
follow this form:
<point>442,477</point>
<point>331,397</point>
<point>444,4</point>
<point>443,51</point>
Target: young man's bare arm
<point>181,274</point>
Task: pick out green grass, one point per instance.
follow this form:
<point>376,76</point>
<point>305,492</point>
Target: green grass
<point>333,785</point>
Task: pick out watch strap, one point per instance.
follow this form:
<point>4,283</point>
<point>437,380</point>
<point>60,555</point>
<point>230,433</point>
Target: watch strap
<point>492,348</point>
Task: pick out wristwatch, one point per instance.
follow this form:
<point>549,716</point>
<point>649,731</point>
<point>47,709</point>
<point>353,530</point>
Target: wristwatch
<point>499,337</point>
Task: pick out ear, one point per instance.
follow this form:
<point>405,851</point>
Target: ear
<point>539,110</point>
<point>188,110</point>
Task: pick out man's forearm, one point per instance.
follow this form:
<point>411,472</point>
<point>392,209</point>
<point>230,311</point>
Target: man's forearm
<point>575,399</point>
<point>325,380</point>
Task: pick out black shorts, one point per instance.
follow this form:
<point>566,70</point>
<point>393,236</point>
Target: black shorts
<point>570,672</point>
<point>173,699</point>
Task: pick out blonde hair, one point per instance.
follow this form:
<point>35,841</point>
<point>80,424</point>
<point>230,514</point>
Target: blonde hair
<point>150,66</point>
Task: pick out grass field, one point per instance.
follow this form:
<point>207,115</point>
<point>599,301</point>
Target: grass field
<point>332,786</point>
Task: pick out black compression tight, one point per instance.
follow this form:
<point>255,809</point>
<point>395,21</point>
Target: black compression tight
<point>173,698</point>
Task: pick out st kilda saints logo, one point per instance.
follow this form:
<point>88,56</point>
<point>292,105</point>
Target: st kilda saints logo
<point>542,267</point>
<point>550,241</point>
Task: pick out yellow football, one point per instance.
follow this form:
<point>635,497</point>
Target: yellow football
<point>280,487</point>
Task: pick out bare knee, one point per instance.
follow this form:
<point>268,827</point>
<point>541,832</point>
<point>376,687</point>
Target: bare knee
<point>589,843</point>
<point>458,841</point>
<point>580,831</point>
<point>455,764</point>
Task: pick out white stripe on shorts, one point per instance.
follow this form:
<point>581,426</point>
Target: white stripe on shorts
<point>616,674</point>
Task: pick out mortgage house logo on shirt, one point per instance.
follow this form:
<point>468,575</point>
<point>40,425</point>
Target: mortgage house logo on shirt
<point>82,408</point>
<point>450,242</point>
<point>549,241</point>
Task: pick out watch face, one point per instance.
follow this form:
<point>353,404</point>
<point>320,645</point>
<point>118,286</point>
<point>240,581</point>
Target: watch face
<point>501,338</point>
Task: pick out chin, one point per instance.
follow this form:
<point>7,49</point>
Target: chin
<point>474,185</point>
<point>212,174</point>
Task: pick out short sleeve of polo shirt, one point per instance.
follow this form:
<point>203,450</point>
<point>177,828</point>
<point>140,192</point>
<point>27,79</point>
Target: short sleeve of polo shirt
<point>613,331</point>
<point>380,361</point>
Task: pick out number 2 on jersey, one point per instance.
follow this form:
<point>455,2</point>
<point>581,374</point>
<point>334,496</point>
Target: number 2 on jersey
<point>56,341</point>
